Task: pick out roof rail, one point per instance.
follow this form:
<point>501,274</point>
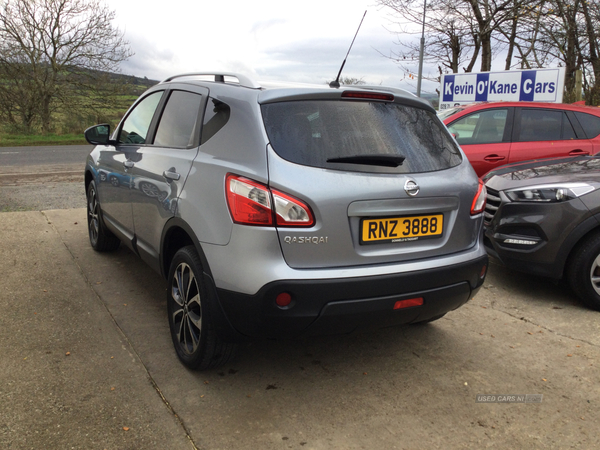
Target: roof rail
<point>219,77</point>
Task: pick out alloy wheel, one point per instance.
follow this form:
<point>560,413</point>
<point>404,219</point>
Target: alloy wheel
<point>187,310</point>
<point>93,220</point>
<point>150,190</point>
<point>595,274</point>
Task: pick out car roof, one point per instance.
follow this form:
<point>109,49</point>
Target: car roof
<point>278,91</point>
<point>491,105</point>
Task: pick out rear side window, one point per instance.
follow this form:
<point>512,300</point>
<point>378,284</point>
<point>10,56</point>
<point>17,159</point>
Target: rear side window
<point>567,130</point>
<point>541,125</point>
<point>311,132</point>
<point>590,124</point>
<point>177,124</point>
<point>216,116</point>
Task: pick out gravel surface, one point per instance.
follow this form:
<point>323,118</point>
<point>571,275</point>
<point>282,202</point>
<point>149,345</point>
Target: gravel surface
<point>41,195</point>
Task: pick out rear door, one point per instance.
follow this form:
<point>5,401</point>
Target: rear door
<point>545,133</point>
<point>385,182</point>
<point>590,127</point>
<point>160,169</point>
<point>484,136</point>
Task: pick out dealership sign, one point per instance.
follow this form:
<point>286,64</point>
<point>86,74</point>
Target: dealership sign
<point>539,85</point>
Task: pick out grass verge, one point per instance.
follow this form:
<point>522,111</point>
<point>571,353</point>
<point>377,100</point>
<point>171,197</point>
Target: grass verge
<point>20,140</point>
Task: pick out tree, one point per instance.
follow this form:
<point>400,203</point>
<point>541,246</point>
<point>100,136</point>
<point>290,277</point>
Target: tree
<point>459,31</point>
<point>53,53</point>
<point>449,38</point>
<point>591,13</point>
<point>566,34</point>
<point>534,33</point>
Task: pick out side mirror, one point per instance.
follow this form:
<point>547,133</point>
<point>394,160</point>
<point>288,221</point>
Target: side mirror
<point>98,134</point>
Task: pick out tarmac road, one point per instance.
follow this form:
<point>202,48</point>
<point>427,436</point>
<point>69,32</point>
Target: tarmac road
<point>88,363</point>
<point>44,155</point>
<point>41,178</point>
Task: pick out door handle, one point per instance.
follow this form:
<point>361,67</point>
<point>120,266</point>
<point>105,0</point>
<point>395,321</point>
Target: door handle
<point>578,152</point>
<point>494,158</point>
<point>171,176</point>
<point>128,164</point>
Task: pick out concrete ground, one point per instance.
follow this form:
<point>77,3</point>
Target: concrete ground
<point>87,363</point>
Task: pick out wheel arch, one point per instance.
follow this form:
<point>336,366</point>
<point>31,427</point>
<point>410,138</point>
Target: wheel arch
<point>88,178</point>
<point>178,234</point>
<point>579,234</point>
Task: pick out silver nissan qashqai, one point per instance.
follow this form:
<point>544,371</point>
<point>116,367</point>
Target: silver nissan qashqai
<point>280,211</point>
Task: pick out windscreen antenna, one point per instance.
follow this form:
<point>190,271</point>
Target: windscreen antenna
<point>336,83</point>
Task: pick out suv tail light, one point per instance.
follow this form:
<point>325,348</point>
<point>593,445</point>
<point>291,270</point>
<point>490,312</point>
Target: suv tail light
<point>479,200</point>
<point>253,203</point>
<point>249,202</point>
<point>368,95</point>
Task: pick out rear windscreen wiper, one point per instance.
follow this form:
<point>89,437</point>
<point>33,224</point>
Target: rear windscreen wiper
<point>371,160</point>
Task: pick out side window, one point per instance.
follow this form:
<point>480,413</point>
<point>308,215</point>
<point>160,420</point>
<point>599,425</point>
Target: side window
<point>216,116</point>
<point>136,125</point>
<point>568,132</point>
<point>484,127</point>
<point>178,121</point>
<point>540,125</point>
<point>590,124</point>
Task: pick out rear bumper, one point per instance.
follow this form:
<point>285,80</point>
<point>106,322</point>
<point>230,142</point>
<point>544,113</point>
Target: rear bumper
<point>337,306</point>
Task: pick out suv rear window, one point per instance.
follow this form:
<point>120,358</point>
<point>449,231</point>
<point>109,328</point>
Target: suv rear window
<point>310,132</point>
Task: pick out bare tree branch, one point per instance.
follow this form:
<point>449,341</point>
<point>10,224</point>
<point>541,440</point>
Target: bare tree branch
<point>54,54</point>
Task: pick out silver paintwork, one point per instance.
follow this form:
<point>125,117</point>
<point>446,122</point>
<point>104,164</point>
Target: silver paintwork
<point>242,258</point>
<point>340,199</point>
<point>233,270</point>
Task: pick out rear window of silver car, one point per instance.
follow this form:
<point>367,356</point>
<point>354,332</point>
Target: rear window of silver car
<point>315,132</point>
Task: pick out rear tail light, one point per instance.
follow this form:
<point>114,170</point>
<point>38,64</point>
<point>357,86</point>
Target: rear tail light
<point>249,202</point>
<point>479,201</point>
<point>291,212</point>
<point>253,203</point>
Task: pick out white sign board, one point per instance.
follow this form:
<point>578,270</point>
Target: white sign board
<point>538,85</point>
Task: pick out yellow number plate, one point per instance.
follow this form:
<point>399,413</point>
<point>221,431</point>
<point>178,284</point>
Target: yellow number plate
<point>401,229</point>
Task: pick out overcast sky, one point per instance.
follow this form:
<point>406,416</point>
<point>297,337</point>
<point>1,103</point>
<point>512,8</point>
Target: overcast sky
<point>269,40</point>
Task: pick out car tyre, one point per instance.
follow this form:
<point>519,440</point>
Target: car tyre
<point>194,336</point>
<point>101,239</point>
<point>584,271</point>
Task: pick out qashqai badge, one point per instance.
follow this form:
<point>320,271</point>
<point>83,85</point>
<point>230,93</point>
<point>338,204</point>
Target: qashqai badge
<point>411,188</point>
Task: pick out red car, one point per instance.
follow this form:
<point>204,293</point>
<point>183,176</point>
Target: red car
<point>494,134</point>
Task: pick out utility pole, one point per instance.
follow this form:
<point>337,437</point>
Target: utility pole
<point>421,51</point>
<point>578,85</point>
